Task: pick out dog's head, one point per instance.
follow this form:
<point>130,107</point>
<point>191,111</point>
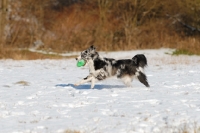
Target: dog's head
<point>87,54</point>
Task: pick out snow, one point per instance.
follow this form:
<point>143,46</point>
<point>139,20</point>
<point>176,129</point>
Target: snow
<point>39,96</point>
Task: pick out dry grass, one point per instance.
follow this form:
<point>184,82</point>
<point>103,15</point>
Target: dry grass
<point>10,53</point>
<point>109,25</point>
<point>23,83</point>
<point>190,44</point>
<point>184,128</point>
<point>71,131</point>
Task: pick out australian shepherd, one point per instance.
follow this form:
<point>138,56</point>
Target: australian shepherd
<point>101,68</point>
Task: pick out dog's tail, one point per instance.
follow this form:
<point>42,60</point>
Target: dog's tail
<point>140,60</point>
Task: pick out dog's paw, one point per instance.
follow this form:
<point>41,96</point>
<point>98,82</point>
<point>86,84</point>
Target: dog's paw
<point>76,84</point>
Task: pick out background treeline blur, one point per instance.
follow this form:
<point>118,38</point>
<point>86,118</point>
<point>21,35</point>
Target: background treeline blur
<point>68,25</point>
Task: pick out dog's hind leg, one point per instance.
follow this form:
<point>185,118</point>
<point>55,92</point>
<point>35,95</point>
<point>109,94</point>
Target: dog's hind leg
<point>127,80</point>
<point>142,78</point>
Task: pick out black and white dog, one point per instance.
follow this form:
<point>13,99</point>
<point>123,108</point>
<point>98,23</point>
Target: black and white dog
<point>102,68</point>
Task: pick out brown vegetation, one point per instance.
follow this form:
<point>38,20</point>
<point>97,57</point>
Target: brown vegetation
<point>23,54</point>
<point>71,131</point>
<point>72,25</point>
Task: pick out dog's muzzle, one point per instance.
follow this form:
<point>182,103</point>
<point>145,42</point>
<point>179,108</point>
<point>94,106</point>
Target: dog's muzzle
<point>78,58</point>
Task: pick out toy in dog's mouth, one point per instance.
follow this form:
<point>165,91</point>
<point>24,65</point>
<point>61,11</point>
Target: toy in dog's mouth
<point>81,63</point>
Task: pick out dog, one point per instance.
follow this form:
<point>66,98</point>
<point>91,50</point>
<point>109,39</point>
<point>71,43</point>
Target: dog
<point>101,68</point>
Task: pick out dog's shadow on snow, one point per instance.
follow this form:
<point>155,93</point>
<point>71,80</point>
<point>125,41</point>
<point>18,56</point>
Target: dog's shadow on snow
<point>87,86</point>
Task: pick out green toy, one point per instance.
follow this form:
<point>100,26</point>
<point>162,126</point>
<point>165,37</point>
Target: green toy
<point>80,63</point>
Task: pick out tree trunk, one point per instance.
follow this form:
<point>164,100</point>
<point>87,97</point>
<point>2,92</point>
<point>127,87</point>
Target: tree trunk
<point>3,12</point>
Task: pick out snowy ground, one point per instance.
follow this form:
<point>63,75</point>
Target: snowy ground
<point>39,96</point>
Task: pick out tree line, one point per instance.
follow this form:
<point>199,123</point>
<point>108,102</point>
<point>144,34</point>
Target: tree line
<point>111,25</point>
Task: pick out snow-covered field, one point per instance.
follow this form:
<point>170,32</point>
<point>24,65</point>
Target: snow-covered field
<point>39,97</point>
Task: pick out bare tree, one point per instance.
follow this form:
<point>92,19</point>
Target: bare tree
<point>3,12</point>
<point>134,12</point>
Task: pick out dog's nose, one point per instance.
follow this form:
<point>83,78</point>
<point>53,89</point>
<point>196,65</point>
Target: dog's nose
<point>76,58</point>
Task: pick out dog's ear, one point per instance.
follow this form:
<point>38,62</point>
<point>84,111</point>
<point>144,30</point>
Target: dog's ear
<point>92,47</point>
<point>135,59</point>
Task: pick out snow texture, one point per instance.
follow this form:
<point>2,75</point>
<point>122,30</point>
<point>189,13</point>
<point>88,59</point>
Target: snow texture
<point>39,96</point>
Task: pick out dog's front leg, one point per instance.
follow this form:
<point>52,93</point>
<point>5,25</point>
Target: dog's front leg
<point>92,82</point>
<point>87,79</point>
